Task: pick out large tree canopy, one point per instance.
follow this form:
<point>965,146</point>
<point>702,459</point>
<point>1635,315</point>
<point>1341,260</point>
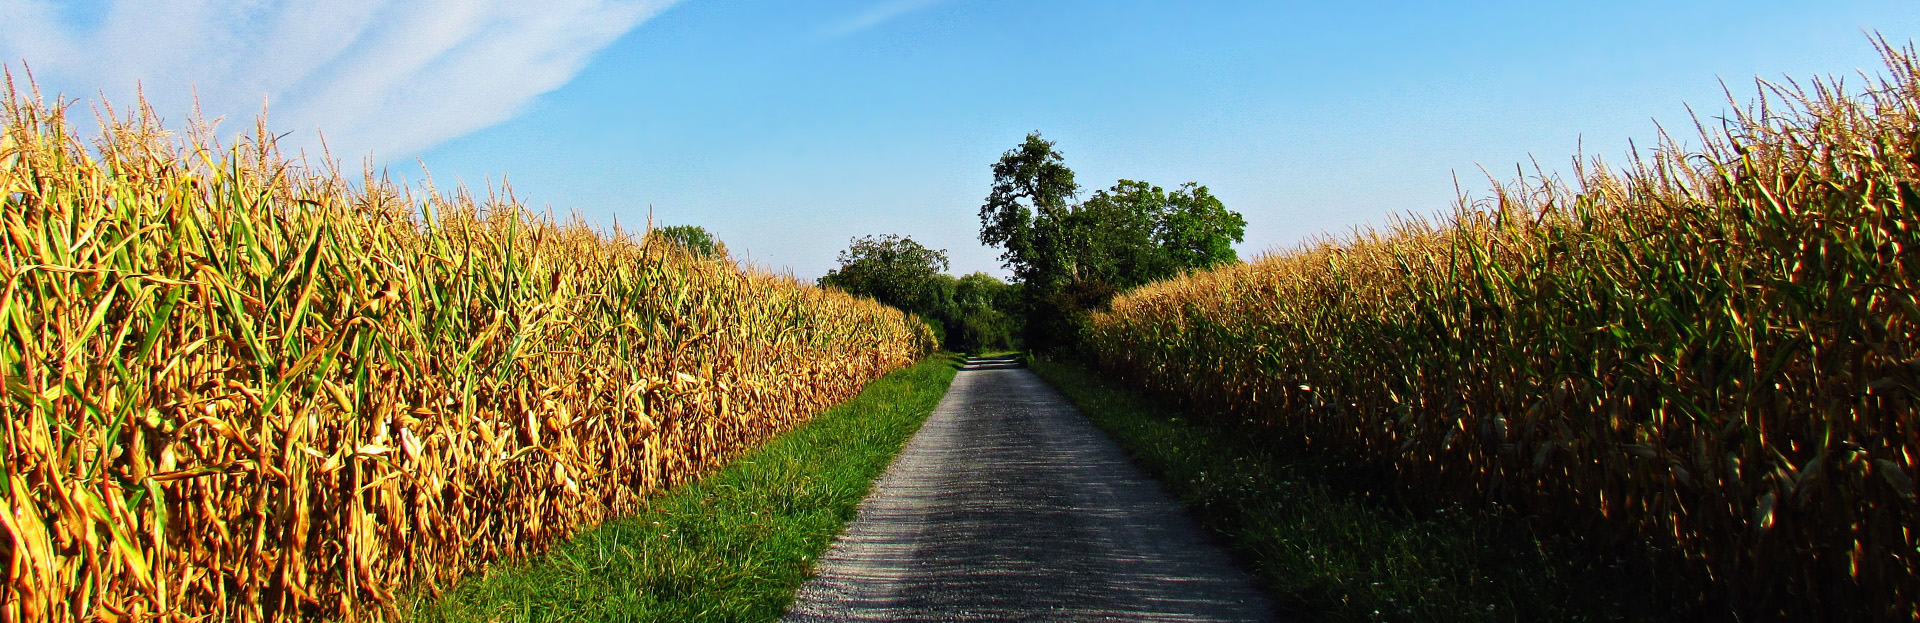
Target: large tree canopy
<point>1032,193</point>
<point>894,270</point>
<point>1197,231</point>
<point>1073,257</point>
<point>1135,233</point>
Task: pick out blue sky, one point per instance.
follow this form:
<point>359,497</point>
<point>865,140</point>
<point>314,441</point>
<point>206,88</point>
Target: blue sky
<point>786,127</point>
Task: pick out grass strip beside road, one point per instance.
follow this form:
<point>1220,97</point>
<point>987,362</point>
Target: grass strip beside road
<point>733,546</point>
<point>1334,543</point>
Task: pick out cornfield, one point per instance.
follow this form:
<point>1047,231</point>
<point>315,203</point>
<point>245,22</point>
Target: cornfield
<point>240,388</point>
<point>1710,351</point>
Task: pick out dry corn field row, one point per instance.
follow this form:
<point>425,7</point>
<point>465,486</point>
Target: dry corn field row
<point>1712,351</point>
<point>238,388</point>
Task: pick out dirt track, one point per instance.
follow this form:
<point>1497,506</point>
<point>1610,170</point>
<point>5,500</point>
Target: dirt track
<point>1009,505</point>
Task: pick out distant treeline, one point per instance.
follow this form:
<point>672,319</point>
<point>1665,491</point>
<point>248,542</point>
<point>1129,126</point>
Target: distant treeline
<point>1068,258</point>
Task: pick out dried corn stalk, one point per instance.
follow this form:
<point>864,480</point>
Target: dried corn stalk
<point>241,389</point>
<point>1714,352</point>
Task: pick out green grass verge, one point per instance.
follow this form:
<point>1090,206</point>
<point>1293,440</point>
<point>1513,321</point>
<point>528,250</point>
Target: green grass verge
<point>733,546</point>
<point>1334,543</point>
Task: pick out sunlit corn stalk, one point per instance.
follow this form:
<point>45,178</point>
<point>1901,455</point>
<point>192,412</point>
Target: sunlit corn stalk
<point>238,388</point>
<point>1713,351</point>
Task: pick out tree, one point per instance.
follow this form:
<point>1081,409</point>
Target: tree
<point>1118,231</point>
<point>1137,233</point>
<point>694,238</point>
<point>980,291</point>
<point>981,316</point>
<point>1023,215</point>
<point>1073,258</point>
<point>897,271</point>
<point>1197,231</point>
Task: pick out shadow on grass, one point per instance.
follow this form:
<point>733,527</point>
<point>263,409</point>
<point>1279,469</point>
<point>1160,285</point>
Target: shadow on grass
<point>733,546</point>
<point>1334,541</point>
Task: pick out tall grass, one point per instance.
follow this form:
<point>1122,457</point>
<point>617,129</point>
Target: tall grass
<point>240,388</point>
<point>1708,351</point>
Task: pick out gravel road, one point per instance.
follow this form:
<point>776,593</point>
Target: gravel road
<point>1010,506</point>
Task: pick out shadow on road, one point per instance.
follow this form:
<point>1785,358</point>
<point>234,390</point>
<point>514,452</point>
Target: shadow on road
<point>1006,363</point>
<point>1009,505</point>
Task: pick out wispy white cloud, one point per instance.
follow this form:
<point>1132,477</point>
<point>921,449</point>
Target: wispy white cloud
<point>874,16</point>
<point>389,77</point>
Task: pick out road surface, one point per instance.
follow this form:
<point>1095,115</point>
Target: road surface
<point>1010,506</point>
